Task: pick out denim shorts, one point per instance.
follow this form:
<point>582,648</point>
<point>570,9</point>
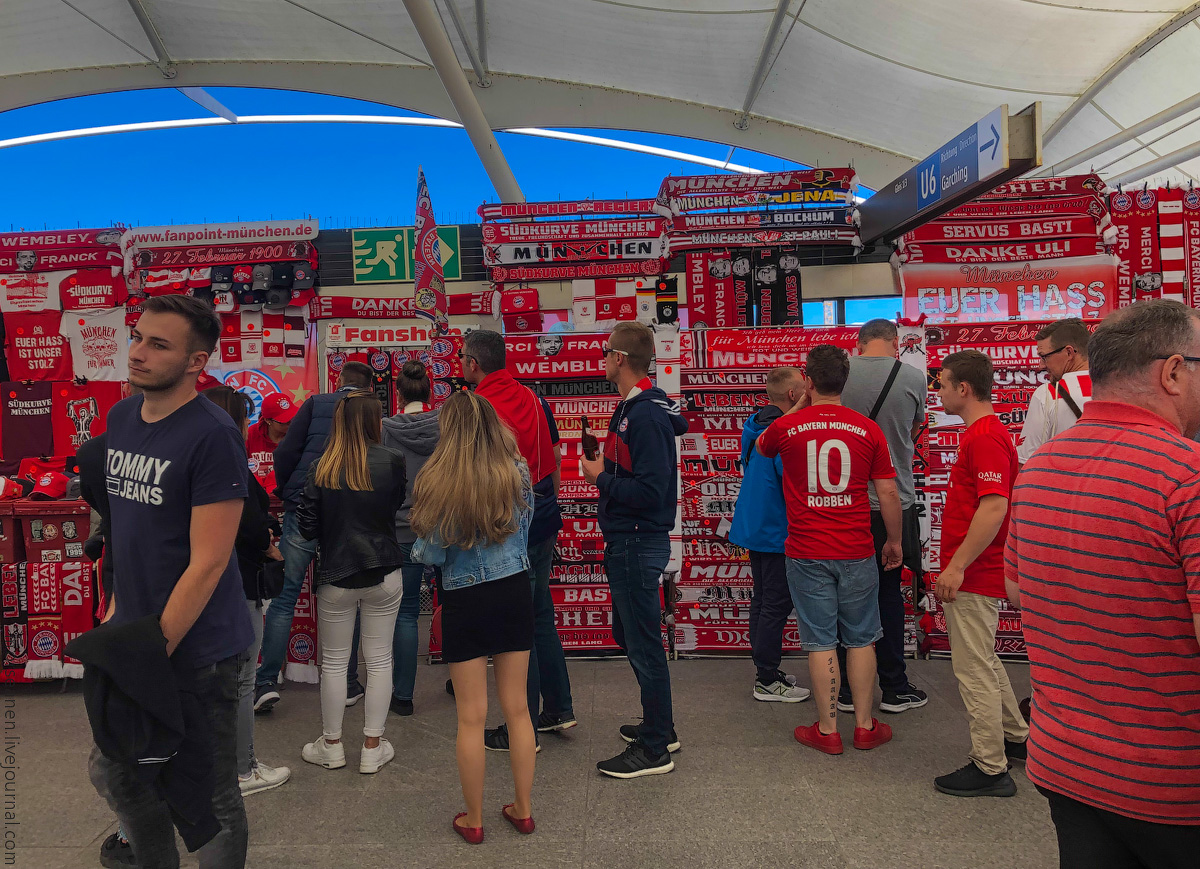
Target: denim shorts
<point>835,596</point>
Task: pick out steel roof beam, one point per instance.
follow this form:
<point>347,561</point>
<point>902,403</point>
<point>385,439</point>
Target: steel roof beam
<point>760,69</point>
<point>163,60</point>
<point>203,98</point>
<point>481,32</point>
<point>1183,19</point>
<point>1159,164</point>
<point>481,76</point>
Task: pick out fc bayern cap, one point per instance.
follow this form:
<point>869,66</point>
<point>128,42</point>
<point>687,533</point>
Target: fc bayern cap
<point>302,276</point>
<point>262,276</point>
<point>243,274</point>
<point>49,486</point>
<point>277,407</point>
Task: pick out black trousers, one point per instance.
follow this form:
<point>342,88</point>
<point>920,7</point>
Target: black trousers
<point>889,651</point>
<point>770,607</point>
<point>1092,838</point>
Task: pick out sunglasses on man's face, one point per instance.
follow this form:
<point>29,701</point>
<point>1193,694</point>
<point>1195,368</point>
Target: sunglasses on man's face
<point>608,350</point>
<point>461,355</point>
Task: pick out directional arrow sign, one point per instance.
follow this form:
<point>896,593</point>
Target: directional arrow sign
<point>971,163</point>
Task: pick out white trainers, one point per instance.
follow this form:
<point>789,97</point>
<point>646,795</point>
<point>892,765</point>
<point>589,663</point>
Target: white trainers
<point>780,692</point>
<point>373,759</point>
<point>323,754</point>
<point>263,778</point>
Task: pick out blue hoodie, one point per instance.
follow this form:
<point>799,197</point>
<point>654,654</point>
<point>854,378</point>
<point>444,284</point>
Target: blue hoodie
<point>759,518</point>
<point>639,488</point>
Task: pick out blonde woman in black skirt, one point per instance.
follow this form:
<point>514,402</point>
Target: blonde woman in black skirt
<point>471,507</point>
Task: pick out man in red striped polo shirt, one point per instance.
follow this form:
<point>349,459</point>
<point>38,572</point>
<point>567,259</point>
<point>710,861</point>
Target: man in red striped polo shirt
<point>1104,554</point>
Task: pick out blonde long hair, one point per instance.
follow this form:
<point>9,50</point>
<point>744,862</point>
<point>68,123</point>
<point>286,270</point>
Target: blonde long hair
<point>356,425</point>
<point>467,489</point>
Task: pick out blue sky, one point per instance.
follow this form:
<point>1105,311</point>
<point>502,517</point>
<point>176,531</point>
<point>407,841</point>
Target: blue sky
<point>341,174</point>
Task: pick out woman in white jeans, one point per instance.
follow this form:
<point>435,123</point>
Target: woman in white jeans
<point>349,505</point>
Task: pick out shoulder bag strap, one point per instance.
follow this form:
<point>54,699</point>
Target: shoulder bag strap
<point>887,387</point>
<point>1065,395</point>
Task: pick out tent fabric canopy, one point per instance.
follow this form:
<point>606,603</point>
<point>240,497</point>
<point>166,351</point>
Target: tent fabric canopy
<point>875,83</point>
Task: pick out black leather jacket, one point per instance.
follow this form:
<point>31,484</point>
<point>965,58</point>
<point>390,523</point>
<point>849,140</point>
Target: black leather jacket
<point>355,531</point>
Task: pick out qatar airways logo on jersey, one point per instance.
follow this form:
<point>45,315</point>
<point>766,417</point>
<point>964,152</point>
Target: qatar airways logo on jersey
<point>135,477</point>
<point>990,477</point>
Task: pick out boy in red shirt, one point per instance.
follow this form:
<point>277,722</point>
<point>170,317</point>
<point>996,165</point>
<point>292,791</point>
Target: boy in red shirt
<point>829,454</point>
<point>277,414</point>
<point>971,584</point>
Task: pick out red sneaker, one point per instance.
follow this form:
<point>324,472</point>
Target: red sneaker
<point>812,736</point>
<point>866,739</point>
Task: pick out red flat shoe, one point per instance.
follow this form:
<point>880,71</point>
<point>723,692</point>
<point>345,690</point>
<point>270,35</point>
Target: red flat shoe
<point>830,743</point>
<point>866,739</point>
<point>473,835</point>
<point>523,825</point>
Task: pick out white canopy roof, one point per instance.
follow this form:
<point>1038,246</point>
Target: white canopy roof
<point>875,83</point>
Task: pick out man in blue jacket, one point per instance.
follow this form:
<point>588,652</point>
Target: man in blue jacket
<point>639,494</point>
<point>300,447</point>
<point>760,526</point>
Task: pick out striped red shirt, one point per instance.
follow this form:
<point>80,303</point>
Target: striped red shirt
<point>1105,544</point>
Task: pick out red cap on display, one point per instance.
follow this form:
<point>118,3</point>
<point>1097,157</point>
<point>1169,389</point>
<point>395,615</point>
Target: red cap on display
<point>10,489</point>
<point>49,486</point>
<point>277,407</point>
<point>243,274</point>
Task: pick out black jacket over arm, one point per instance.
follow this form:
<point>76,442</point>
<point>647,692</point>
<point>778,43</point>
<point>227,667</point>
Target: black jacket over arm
<point>253,537</point>
<point>355,531</point>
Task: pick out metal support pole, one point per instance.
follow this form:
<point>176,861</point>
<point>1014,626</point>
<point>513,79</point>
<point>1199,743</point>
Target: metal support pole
<point>1154,121</point>
<point>481,30</point>
<point>1166,161</point>
<point>760,68</point>
<point>164,63</point>
<point>441,54</point>
<point>481,75</point>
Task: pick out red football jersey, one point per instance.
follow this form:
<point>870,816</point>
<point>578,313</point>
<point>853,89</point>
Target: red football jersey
<point>986,465</point>
<point>80,412</point>
<point>829,453</point>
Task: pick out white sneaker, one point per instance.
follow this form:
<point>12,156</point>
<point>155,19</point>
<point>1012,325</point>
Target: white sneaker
<point>323,754</point>
<point>373,759</point>
<point>780,692</point>
<point>263,778</point>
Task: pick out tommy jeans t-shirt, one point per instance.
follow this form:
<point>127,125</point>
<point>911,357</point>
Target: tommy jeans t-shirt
<point>986,465</point>
<point>155,473</point>
<point>829,454</point>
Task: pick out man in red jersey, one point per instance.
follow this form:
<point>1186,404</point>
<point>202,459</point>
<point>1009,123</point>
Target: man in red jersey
<point>1104,553</point>
<point>829,454</point>
<point>971,584</point>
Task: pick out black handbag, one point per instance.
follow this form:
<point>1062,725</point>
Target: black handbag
<point>270,579</point>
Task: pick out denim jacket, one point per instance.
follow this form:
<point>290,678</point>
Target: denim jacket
<point>462,568</point>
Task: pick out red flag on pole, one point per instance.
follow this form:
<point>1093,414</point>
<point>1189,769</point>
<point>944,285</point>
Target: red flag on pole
<point>430,285</point>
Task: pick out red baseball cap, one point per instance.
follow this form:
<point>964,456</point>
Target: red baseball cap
<point>11,490</point>
<point>50,486</point>
<point>206,381</point>
<point>277,407</point>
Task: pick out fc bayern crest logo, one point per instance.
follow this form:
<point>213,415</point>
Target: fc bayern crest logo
<point>1121,202</point>
<point>1145,199</point>
<point>1192,199</point>
<point>336,361</point>
<point>380,361</point>
<point>45,643</point>
<point>440,368</point>
<point>301,647</point>
<point>441,390</point>
<point>441,347</point>
<point>257,386</point>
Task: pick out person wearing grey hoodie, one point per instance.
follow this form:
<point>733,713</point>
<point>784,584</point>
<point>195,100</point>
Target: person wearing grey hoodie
<point>414,432</point>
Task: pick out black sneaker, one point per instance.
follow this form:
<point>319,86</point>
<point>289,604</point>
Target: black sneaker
<point>116,853</point>
<point>354,692</point>
<point>497,739</point>
<point>265,696</point>
<point>1016,752</point>
<point>971,781</point>
<point>400,707</point>
<point>549,722</point>
<point>845,701</point>
<point>633,732</point>
<point>901,701</point>
<point>636,761</point>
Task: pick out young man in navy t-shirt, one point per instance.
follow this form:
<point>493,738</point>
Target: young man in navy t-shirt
<point>175,473</point>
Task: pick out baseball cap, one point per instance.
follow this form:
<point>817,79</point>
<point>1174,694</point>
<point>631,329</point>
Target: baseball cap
<point>243,274</point>
<point>200,277</point>
<point>222,279</point>
<point>262,276</point>
<point>206,381</point>
<point>73,488</point>
<point>302,276</point>
<point>250,296</point>
<point>223,300</point>
<point>277,407</point>
<point>11,490</point>
<point>49,486</point>
<point>281,275</point>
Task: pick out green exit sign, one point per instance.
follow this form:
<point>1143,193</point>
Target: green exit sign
<point>387,256</point>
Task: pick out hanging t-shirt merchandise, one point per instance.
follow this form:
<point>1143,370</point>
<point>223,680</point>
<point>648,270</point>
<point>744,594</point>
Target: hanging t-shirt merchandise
<point>99,343</point>
<point>79,412</point>
<point>829,455</point>
<point>26,422</point>
<point>155,474</point>
<point>34,347</point>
